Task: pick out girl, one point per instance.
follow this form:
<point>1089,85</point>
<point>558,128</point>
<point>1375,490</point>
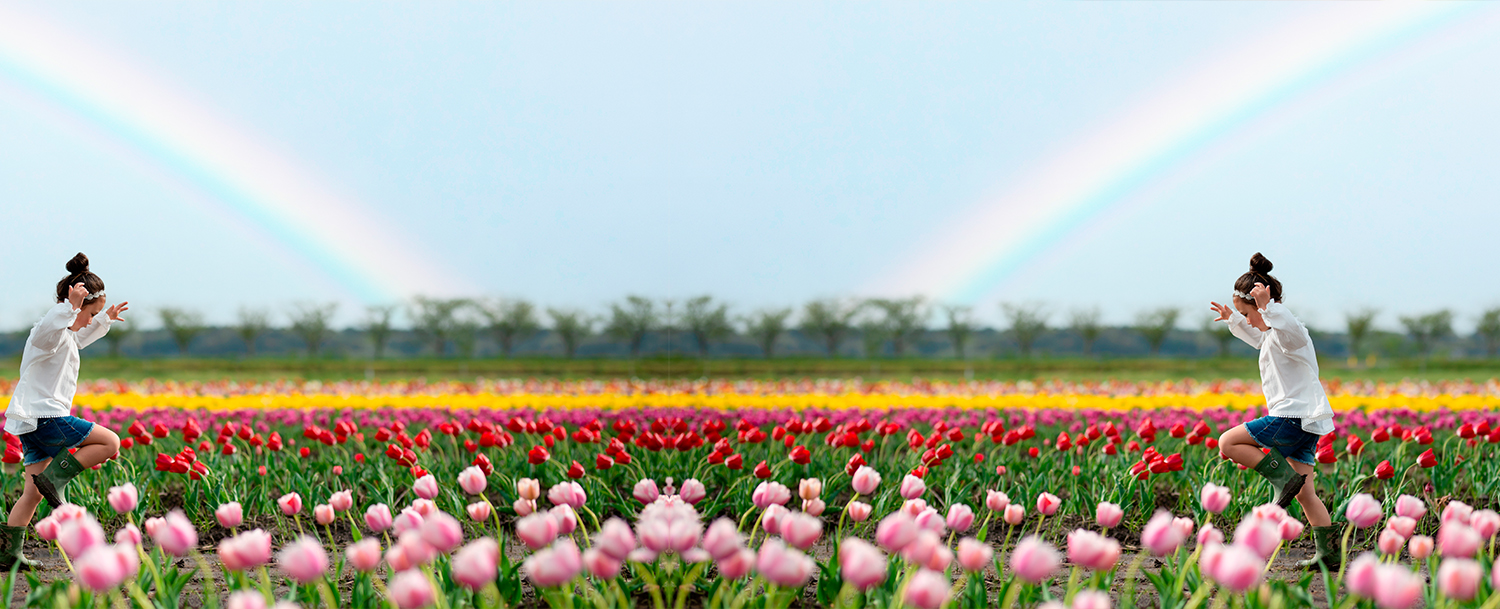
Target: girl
<point>1299,410</point>
<point>40,410</point>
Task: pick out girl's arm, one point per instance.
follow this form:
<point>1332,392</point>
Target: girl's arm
<point>50,330</point>
<point>100,325</point>
<point>1289,332</point>
<point>1237,325</point>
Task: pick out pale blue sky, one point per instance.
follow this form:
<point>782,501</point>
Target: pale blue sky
<point>766,153</point>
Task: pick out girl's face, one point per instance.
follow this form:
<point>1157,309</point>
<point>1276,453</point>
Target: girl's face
<point>1252,315</point>
<point>88,311</point>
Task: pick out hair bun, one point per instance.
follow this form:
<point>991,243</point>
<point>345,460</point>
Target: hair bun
<point>1258,263</point>
<point>79,264</point>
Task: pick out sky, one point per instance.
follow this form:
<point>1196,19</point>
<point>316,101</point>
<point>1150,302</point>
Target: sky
<point>263,154</point>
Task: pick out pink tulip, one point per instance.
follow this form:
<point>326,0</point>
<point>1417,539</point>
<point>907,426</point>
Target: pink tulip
<point>896,531</point>
<point>472,480</point>
<point>79,535</point>
<point>736,565</point>
<point>1034,560</point>
<point>1457,510</point>
<point>1258,534</point>
<point>364,555</point>
<point>1459,578</point>
<point>123,498</point>
<point>1161,535</point>
<point>100,569</point>
<point>1363,572</point>
<point>478,511</point>
<point>230,515</point>
<point>859,511</point>
<point>861,564</point>
<point>1397,587</point>
<point>645,491</point>
<point>47,528</point>
<point>554,566</point>
<point>616,540</point>
<point>768,493</point>
<point>1410,507</point>
<point>683,533</point>
<point>809,489</point>
<point>69,511</point>
<point>914,507</point>
<point>653,534</point>
<point>245,551</point>
<point>692,491</point>
<point>323,513</point>
<point>474,565</point>
<point>1269,511</point>
<point>416,550</point>
<point>128,535</point>
<point>814,507</point>
<point>524,507</point>
<point>1092,550</point>
<point>927,590</point>
<point>920,550</point>
<point>960,517</point>
<point>722,539</point>
<point>1485,522</point>
<point>1108,515</point>
<point>537,530</point>
<point>408,520</point>
<point>1209,535</point>
<point>290,504</point>
<point>1047,504</point>
<point>912,487</point>
<point>303,560</point>
<point>1291,529</point>
<point>773,517</point>
<point>1363,511</point>
<point>866,480</point>
<point>425,487</point>
<point>442,532</point>
<point>341,501</point>
<point>1390,542</point>
<point>1214,498</point>
<point>996,501</point>
<point>378,517</point>
<point>783,566</point>
<point>1420,547</point>
<point>422,507</point>
<point>530,489</point>
<point>1457,540</point>
<point>1091,599</point>
<point>801,530</point>
<point>1014,514</point>
<point>931,520</point>
<point>567,493</point>
<point>1402,525</point>
<point>411,590</point>
<point>974,555</point>
<point>176,535</point>
<point>1238,568</point>
<point>247,599</point>
<point>601,565</point>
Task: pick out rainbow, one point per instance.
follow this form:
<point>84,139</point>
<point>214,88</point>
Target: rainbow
<point>1169,131</point>
<point>124,109</point>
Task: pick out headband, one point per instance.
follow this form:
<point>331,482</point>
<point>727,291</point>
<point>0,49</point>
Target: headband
<point>100,294</point>
<point>1237,294</point>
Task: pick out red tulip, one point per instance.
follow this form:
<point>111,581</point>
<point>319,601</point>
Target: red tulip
<point>575,471</point>
<point>801,456</point>
<point>1427,459</point>
<point>537,455</point>
<point>735,462</point>
<point>1355,445</point>
<point>1380,435</point>
<point>1325,454</point>
<point>1034,452</point>
<point>1178,431</point>
<point>304,451</point>
<point>1384,471</point>
<point>603,462</point>
<point>762,470</point>
<point>160,431</point>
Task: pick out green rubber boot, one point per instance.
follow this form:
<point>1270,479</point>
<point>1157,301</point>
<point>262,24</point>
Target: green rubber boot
<point>11,541</point>
<point>1328,555</point>
<point>52,480</point>
<point>1284,480</point>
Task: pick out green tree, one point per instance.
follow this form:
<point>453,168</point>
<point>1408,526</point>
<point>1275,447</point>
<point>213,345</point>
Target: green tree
<point>1219,332</point>
<point>432,318</point>
<point>118,333</point>
<point>828,321</point>
<point>904,319</point>
<point>872,334</point>
<point>1489,330</point>
<point>1085,323</point>
<point>1155,325</point>
<point>571,328</point>
<point>1358,324</point>
<point>511,321</point>
<point>312,323</point>
<point>251,324</point>
<point>766,326</point>
<point>183,325</point>
<point>377,326</point>
<point>707,321</point>
<point>630,322</point>
<point>1426,330</point>
<point>1027,323</point>
<point>960,328</point>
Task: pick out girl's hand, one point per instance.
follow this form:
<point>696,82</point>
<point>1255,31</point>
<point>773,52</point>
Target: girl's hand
<point>1223,311</point>
<point>115,311</point>
<point>76,293</point>
<point>1262,296</point>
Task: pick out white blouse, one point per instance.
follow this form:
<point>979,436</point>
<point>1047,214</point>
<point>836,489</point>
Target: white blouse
<point>49,367</point>
<point>1288,367</point>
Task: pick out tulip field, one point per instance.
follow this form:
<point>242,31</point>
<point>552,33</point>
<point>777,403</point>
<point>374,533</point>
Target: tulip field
<point>757,495</point>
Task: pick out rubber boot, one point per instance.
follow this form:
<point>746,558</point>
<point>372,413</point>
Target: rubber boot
<point>52,480</point>
<point>1328,555</point>
<point>1284,480</point>
<point>11,541</point>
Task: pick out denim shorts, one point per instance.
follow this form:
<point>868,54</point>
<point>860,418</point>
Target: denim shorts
<point>53,436</point>
<point>1286,435</point>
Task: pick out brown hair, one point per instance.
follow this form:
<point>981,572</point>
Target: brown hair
<point>78,272</point>
<point>1260,272</point>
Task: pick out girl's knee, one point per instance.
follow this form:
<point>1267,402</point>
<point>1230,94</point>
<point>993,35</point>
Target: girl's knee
<point>109,439</point>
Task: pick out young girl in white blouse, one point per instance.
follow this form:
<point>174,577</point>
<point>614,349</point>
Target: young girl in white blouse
<point>40,410</point>
<point>1299,410</point>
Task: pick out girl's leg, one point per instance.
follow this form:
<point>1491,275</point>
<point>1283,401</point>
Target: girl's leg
<point>25,507</point>
<point>1240,447</point>
<point>1312,507</point>
<point>98,447</point>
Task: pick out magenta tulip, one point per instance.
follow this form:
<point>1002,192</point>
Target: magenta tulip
<point>768,493</point>
<point>601,565</point>
<point>79,535</point>
<point>737,565</point>
<point>1258,534</point>
<point>616,540</point>
<point>128,535</point>
<point>646,491</point>
<point>426,487</point>
<point>567,493</point>
<point>1239,568</point>
<point>442,532</point>
<point>537,530</point>
<point>1363,572</point>
<point>100,568</point>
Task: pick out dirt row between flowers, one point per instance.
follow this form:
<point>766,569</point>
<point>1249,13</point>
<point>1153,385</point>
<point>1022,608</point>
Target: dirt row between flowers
<point>54,568</point>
